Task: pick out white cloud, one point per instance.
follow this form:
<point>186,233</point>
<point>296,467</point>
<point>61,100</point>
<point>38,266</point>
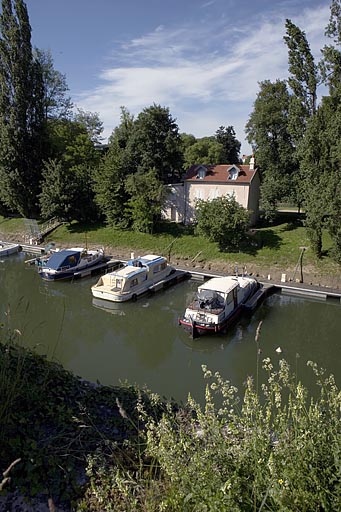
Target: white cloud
<point>206,74</point>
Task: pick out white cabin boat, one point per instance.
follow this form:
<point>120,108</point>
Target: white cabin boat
<point>6,249</point>
<point>217,304</point>
<point>66,263</point>
<point>137,277</point>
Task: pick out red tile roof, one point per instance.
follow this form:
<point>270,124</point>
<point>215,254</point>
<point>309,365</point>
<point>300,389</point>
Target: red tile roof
<point>220,173</point>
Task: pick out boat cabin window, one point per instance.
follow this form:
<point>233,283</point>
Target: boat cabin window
<point>229,297</point>
<point>137,263</point>
<point>134,282</point>
<point>160,267</point>
<point>119,283</point>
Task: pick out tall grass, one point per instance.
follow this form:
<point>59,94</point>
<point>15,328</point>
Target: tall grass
<point>274,450</point>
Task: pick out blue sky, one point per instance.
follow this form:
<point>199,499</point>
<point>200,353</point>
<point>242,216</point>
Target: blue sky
<point>201,58</point>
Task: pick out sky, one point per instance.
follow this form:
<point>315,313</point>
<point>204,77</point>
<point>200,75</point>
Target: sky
<point>202,59</point>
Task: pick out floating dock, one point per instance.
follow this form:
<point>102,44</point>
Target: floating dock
<point>174,278</point>
<point>309,291</point>
<point>294,289</point>
<point>257,298</point>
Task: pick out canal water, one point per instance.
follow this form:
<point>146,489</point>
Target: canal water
<point>142,342</point>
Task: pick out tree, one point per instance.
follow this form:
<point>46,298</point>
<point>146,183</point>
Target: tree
<point>74,154</point>
<point>186,140</point>
<point>268,132</point>
<point>330,64</point>
<point>110,193</point>
<point>92,124</point>
<point>320,149</point>
<point>231,146</point>
<point>155,144</point>
<point>110,178</point>
<point>222,220</point>
<point>57,105</point>
<point>59,191</point>
<point>303,81</point>
<point>21,112</point>
<point>123,132</point>
<point>321,170</point>
<point>207,151</point>
<point>147,196</point>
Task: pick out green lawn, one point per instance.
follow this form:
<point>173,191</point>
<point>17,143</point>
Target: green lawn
<point>275,245</point>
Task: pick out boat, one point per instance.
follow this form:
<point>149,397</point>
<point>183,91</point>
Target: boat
<point>136,277</point>
<point>217,304</point>
<point>7,248</point>
<point>66,263</point>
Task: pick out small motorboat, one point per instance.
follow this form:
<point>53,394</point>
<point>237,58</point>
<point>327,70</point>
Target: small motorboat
<point>136,277</point>
<point>217,304</point>
<point>6,248</point>
<point>66,263</point>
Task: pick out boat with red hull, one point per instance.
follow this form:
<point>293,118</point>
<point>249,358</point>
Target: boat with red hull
<point>217,304</point>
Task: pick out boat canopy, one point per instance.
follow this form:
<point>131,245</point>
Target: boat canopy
<point>66,258</point>
<point>210,298</point>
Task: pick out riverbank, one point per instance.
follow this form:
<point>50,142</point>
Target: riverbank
<point>271,251</point>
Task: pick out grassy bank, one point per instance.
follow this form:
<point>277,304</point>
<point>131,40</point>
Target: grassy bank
<point>270,249</point>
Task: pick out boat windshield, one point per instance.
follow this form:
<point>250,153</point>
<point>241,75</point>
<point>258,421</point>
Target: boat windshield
<point>210,299</point>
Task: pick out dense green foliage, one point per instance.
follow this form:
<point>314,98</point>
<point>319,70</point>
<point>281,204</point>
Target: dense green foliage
<point>222,220</point>
<point>222,148</point>
<point>57,105</point>
<point>268,132</point>
<point>21,112</point>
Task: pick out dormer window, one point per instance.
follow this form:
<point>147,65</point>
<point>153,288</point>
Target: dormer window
<point>201,173</point>
<point>233,173</point>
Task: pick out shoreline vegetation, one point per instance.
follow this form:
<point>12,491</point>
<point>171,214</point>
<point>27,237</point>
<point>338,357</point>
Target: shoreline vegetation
<point>69,445</point>
<point>268,252</point>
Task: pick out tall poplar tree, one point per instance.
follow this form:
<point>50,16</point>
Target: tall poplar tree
<point>303,80</point>
<point>21,112</point>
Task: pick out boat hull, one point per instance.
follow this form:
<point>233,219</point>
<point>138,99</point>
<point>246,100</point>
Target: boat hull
<point>64,275</point>
<point>197,329</point>
<point>68,272</point>
<point>99,294</point>
<point>7,250</point>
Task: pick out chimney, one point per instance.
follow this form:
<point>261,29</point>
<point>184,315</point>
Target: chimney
<point>252,163</point>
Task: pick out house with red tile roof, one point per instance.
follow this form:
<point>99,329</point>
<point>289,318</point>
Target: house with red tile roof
<point>208,182</point>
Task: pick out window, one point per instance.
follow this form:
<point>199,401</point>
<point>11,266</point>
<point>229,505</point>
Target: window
<point>201,173</point>
<point>233,173</point>
<point>134,282</point>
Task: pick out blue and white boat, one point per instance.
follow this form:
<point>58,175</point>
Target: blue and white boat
<point>137,277</point>
<point>66,263</point>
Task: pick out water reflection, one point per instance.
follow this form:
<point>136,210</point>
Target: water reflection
<point>113,308</point>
